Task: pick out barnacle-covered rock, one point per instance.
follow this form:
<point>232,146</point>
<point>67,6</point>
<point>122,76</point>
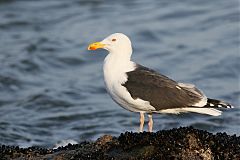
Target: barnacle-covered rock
<point>181,143</point>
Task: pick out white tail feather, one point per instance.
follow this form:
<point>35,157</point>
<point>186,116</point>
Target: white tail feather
<point>209,111</point>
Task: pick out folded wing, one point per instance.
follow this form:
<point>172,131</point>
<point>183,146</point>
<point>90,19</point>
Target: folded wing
<point>161,91</point>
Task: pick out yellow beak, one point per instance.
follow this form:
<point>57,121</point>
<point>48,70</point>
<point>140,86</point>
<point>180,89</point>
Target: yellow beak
<point>95,46</point>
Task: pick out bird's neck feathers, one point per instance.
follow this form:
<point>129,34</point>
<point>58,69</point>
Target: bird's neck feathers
<point>122,53</point>
<point>119,56</point>
<point>117,63</point>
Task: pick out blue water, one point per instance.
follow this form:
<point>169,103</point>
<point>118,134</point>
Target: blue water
<point>51,87</point>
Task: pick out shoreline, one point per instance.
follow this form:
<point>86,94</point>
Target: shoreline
<point>178,143</point>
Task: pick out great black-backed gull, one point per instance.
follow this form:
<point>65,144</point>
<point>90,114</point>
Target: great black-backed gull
<point>140,89</point>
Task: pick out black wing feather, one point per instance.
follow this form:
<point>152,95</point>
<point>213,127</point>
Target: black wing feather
<point>158,89</point>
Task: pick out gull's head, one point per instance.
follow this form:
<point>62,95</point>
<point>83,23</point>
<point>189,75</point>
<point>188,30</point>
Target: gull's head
<point>115,43</point>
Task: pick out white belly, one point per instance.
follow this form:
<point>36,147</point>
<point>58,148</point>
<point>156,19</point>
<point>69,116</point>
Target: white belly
<point>114,77</point>
<point>121,96</point>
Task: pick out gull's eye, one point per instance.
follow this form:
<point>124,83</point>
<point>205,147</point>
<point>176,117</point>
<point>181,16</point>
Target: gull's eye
<point>114,39</point>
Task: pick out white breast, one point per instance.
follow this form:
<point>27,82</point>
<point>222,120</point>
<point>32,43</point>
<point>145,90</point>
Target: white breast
<point>115,75</point>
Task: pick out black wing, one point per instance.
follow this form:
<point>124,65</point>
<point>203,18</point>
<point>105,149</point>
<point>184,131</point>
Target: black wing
<point>159,90</point>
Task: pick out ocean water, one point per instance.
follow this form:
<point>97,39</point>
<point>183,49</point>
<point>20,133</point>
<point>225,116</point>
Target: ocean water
<point>52,89</point>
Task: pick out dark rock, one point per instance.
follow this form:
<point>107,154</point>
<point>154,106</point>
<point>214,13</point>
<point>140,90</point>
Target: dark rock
<point>184,143</point>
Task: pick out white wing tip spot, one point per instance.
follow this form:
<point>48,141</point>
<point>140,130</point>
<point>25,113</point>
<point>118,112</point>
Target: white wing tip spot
<point>229,106</point>
<point>178,87</point>
<point>211,104</point>
<point>219,105</point>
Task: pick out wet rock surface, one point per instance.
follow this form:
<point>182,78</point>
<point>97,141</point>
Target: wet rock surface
<point>181,143</point>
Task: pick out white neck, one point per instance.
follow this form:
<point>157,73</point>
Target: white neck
<point>116,65</point>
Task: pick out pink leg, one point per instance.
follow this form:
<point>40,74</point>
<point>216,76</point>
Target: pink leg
<point>150,123</point>
<point>141,122</point>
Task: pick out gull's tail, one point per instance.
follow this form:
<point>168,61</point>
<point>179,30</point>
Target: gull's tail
<point>210,108</point>
<point>213,103</point>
